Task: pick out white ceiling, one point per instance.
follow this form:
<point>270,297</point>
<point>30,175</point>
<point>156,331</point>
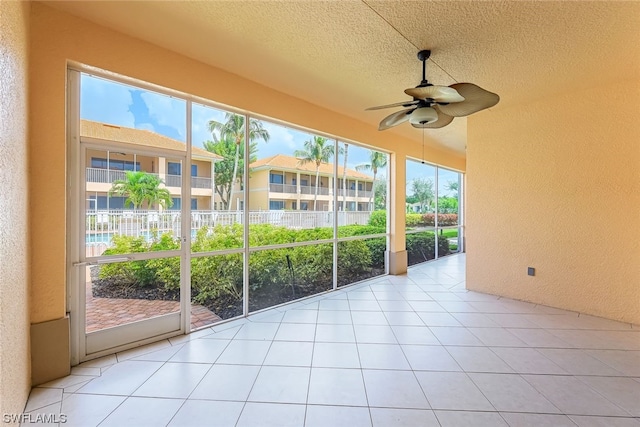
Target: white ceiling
<point>347,56</point>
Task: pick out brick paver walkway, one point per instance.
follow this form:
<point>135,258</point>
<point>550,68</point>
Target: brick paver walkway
<point>108,312</point>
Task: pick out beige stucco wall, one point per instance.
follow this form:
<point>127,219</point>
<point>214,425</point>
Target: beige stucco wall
<point>556,185</point>
<point>57,38</point>
<point>15,374</point>
<point>259,194</point>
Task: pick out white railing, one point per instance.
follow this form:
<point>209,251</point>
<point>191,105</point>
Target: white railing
<point>108,176</point>
<point>101,226</point>
<point>283,188</point>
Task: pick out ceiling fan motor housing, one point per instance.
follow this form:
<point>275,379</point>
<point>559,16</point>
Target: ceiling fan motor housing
<point>423,116</point>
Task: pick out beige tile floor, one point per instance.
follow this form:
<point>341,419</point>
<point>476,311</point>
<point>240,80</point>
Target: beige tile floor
<point>414,350</point>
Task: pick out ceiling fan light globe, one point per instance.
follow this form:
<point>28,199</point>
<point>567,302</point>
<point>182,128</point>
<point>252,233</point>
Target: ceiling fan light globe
<point>423,116</point>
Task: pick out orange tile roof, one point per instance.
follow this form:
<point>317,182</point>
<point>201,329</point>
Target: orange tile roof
<point>138,136</point>
<point>281,161</point>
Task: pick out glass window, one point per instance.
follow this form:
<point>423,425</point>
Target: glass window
<point>194,204</point>
<point>275,178</point>
<point>176,206</point>
<point>105,202</point>
<point>194,170</point>
<point>174,168</point>
<point>275,205</point>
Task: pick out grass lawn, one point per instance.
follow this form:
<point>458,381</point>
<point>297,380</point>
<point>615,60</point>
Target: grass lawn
<point>449,233</point>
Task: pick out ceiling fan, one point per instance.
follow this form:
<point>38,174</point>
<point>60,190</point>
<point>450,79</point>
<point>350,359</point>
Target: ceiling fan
<point>435,106</point>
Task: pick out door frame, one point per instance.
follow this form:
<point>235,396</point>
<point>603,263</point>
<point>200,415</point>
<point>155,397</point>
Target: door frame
<point>111,340</point>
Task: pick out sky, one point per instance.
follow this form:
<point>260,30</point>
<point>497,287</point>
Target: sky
<point>110,102</point>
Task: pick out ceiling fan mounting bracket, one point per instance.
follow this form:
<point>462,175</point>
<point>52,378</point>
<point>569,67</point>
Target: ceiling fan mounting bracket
<point>423,55</point>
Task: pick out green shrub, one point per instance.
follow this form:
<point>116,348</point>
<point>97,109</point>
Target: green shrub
<point>413,220</point>
<point>378,218</point>
<point>354,257</point>
<point>213,276</point>
<point>377,247</point>
<point>163,271</point>
<point>421,247</point>
<point>359,230</point>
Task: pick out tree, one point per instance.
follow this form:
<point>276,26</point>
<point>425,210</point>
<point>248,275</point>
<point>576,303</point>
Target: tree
<point>317,150</point>
<point>380,190</point>
<point>377,160</point>
<point>234,128</point>
<point>453,187</point>
<point>423,191</point>
<point>223,169</point>
<point>447,205</point>
<point>139,187</point>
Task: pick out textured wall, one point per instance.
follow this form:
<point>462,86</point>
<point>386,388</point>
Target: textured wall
<point>58,37</point>
<point>15,374</point>
<point>556,185</point>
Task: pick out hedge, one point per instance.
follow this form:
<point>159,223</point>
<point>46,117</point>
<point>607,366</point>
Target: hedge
<point>302,269</point>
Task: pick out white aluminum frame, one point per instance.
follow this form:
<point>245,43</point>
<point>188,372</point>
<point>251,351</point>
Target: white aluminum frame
<point>149,330</point>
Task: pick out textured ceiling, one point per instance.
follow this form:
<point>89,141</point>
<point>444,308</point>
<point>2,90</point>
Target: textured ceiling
<point>346,55</point>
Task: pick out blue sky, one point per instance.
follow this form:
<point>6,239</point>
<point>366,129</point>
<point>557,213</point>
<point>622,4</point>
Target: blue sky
<point>115,103</point>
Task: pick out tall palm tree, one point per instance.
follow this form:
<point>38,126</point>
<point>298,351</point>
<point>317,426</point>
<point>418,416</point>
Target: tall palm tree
<point>140,187</point>
<point>377,160</point>
<point>223,169</point>
<point>317,150</point>
<point>234,128</point>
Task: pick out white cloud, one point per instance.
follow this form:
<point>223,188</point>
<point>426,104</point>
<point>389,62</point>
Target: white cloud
<point>167,111</point>
<point>105,101</point>
<point>200,127</point>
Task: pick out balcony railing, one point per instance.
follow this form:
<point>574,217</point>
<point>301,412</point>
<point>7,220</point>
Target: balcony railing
<point>310,189</point>
<point>108,176</point>
<point>282,188</point>
<point>102,225</point>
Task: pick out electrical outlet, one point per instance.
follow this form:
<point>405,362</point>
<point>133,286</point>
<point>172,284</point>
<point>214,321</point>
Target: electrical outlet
<point>531,271</point>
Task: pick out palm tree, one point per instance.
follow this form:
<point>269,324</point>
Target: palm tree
<point>223,169</point>
<point>234,128</point>
<point>139,187</point>
<point>377,160</point>
<point>318,151</point>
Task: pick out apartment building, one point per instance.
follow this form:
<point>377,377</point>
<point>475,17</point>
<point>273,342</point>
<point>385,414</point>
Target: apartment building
<point>102,167</point>
<point>284,182</point>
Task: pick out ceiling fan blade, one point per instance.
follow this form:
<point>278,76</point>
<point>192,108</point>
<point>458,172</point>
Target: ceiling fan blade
<point>395,119</point>
<point>437,93</point>
<point>475,99</point>
<point>397,104</point>
<point>443,120</point>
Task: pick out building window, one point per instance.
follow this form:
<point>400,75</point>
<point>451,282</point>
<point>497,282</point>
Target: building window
<point>304,182</point>
<point>294,205</point>
<point>117,165</point>
<point>174,168</point>
<point>176,204</point>
<point>276,178</point>
<point>276,205</point>
<point>194,204</point>
<point>304,206</point>
<point>194,170</point>
<point>359,186</point>
<point>105,202</point>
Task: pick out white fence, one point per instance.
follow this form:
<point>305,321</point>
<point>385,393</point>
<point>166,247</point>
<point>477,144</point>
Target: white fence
<point>101,226</point>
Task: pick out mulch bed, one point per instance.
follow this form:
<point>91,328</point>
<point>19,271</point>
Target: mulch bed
<point>225,306</point>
